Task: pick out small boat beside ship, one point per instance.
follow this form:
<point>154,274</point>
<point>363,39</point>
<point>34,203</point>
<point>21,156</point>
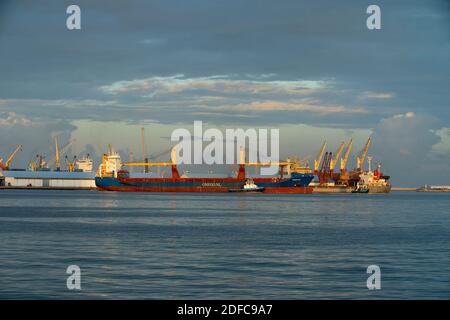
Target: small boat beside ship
<point>360,188</point>
<point>249,186</point>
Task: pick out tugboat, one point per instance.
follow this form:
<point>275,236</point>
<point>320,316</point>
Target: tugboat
<point>361,188</point>
<point>249,186</point>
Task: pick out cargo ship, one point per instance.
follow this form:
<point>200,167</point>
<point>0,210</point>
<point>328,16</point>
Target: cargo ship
<point>111,176</point>
<point>374,181</point>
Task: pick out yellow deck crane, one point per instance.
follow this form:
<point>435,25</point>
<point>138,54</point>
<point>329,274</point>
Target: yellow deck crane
<point>360,159</point>
<point>57,162</point>
<point>71,165</point>
<point>144,155</point>
<point>56,159</point>
<point>10,158</point>
<point>319,157</point>
<point>343,176</point>
<point>173,162</point>
<point>336,157</point>
<point>347,154</point>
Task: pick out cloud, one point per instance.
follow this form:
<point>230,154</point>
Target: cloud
<point>407,115</point>
<point>376,95</point>
<point>442,149</point>
<point>11,119</point>
<point>405,144</point>
<point>217,83</point>
<point>35,135</point>
<point>231,95</point>
<point>314,107</point>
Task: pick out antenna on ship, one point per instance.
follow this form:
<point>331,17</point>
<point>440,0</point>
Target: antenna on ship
<point>144,157</point>
<point>369,163</point>
<point>130,159</point>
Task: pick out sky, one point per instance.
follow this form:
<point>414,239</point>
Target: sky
<point>310,68</point>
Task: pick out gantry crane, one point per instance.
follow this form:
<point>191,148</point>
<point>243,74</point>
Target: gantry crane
<point>10,158</point>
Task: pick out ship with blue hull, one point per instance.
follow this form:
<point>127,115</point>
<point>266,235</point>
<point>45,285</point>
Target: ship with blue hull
<point>113,177</point>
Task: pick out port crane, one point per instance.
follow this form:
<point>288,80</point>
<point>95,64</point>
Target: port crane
<point>56,159</point>
<point>347,154</point>
<point>10,158</point>
<point>336,157</point>
<point>70,165</point>
<point>173,163</point>
<point>343,175</point>
<point>319,158</point>
<point>360,159</point>
<point>57,162</point>
<point>39,163</point>
<point>325,171</point>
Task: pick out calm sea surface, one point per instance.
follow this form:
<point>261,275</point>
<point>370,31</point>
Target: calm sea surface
<point>232,246</point>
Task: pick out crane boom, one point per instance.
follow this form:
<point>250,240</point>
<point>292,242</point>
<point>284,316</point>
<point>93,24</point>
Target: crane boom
<point>360,159</point>
<point>63,149</point>
<point>143,143</point>
<point>347,154</point>
<point>336,157</point>
<point>319,157</point>
<point>12,155</point>
<point>57,163</point>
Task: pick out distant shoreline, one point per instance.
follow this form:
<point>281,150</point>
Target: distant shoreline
<point>403,189</point>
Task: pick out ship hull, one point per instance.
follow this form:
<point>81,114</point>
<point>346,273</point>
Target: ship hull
<point>379,188</point>
<point>201,185</point>
<point>332,189</point>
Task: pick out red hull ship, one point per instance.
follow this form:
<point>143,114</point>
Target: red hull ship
<point>295,183</point>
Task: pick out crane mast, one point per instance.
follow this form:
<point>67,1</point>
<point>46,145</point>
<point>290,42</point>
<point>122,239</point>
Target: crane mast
<point>57,162</point>
<point>360,159</point>
<point>347,154</point>
<point>11,157</point>
<point>144,157</point>
<point>58,152</point>
<point>319,157</point>
<point>336,157</point>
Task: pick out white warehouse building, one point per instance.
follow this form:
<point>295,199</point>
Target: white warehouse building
<point>48,179</point>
